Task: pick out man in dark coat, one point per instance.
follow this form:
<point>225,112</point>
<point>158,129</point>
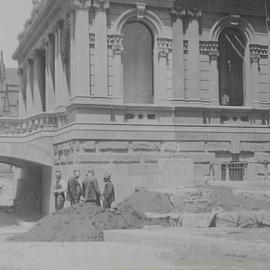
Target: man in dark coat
<point>74,188</point>
<point>90,188</point>
<point>108,194</point>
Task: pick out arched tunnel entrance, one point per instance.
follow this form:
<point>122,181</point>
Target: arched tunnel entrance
<point>32,185</point>
<point>32,179</point>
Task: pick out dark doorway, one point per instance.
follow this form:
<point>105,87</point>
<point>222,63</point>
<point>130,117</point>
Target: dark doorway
<point>232,45</point>
<point>138,63</point>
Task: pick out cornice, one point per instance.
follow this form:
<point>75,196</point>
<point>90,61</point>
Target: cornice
<point>37,25</point>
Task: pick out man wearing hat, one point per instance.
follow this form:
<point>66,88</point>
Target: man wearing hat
<point>108,194</point>
<point>90,188</point>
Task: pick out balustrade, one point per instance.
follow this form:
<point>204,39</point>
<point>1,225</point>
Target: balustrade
<point>45,121</point>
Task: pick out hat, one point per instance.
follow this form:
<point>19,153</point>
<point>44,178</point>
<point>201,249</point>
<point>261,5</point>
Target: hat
<point>107,176</point>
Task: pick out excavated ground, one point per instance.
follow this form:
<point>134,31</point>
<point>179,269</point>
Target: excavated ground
<point>85,222</point>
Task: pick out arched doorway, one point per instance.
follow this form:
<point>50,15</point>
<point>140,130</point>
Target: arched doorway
<point>137,63</point>
<point>232,45</point>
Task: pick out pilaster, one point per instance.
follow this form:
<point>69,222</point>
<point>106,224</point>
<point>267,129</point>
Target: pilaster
<point>256,53</point>
<point>178,53</point>
<point>164,54</point>
<point>49,77</point>
<point>268,62</point>
<point>191,17</point>
<point>57,100</point>
<point>79,49</point>
<point>39,78</point>
<point>211,48</point>
<point>101,52</point>
<point>115,43</point>
<point>22,92</point>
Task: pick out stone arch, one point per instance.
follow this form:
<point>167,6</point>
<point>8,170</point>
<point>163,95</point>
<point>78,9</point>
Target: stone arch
<point>233,21</point>
<point>149,18</point>
<point>19,154</point>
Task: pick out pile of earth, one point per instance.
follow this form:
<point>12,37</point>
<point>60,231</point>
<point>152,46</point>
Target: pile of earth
<point>203,199</point>
<point>149,201</point>
<point>83,222</point>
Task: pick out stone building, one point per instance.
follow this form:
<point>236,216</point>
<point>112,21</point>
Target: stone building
<point>9,90</point>
<point>131,84</point>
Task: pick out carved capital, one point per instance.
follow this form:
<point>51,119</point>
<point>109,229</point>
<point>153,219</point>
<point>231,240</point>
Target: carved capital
<point>101,4</point>
<point>81,4</point>
<point>164,47</point>
<point>178,13</point>
<point>140,10</point>
<point>210,48</point>
<point>92,40</point>
<point>186,14</point>
<point>115,42</point>
<point>257,52</point>
<point>186,46</point>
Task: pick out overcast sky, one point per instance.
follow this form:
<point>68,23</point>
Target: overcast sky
<point>13,14</point>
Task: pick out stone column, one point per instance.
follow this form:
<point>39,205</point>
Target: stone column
<point>268,32</point>
<point>192,33</point>
<point>101,48</point>
<point>49,76</point>
<point>22,92</point>
<point>252,96</point>
<point>214,76</point>
<point>37,90</point>
<point>63,34</point>
<point>178,54</point>
<point>57,97</point>
<point>29,87</point>
<point>80,78</point>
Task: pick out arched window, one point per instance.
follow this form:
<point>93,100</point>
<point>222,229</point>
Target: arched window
<point>232,46</point>
<point>137,63</point>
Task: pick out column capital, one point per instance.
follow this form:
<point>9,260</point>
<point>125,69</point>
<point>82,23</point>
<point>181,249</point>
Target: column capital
<point>164,47</point>
<point>101,4</point>
<point>185,13</point>
<point>177,13</point>
<point>210,48</point>
<point>257,52</point>
<point>81,4</point>
<point>116,43</point>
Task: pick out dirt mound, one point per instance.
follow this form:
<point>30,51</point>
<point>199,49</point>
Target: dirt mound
<point>83,222</point>
<point>204,198</point>
<point>148,201</point>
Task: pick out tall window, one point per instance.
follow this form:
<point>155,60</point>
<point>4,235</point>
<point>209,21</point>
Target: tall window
<point>138,63</point>
<point>232,46</point>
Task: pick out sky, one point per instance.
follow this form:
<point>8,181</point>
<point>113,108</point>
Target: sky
<point>13,14</point>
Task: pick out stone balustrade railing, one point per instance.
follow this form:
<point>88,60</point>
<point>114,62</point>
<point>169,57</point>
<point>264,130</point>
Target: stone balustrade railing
<point>43,121</point>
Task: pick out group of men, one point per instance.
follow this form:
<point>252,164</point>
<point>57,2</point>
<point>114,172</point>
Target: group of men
<point>88,191</point>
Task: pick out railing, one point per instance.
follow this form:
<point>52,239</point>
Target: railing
<point>238,171</point>
<point>233,171</point>
<point>43,121</point>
